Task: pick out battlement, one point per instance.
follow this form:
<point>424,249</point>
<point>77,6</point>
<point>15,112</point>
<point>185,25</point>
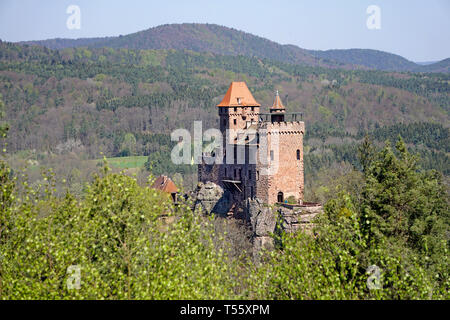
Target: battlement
<point>283,127</point>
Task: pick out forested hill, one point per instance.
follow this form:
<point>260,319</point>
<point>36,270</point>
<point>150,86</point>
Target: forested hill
<point>199,38</point>
<point>126,102</point>
<point>227,41</point>
<point>380,60</point>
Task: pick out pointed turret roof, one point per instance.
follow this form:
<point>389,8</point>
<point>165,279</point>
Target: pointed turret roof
<point>277,104</point>
<point>238,95</point>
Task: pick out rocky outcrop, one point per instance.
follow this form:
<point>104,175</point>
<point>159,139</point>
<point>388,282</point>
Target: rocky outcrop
<point>293,218</point>
<point>262,218</point>
<point>211,198</point>
<point>263,221</point>
<point>266,220</point>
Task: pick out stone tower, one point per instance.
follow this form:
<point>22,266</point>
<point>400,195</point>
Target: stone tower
<point>262,152</point>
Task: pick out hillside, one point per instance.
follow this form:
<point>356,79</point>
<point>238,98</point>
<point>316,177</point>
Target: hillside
<point>69,105</point>
<point>227,41</point>
<point>373,59</point>
<point>380,60</point>
<point>198,38</point>
<point>441,66</point>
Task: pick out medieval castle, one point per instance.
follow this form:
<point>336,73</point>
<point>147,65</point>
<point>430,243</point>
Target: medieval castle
<point>262,154</point>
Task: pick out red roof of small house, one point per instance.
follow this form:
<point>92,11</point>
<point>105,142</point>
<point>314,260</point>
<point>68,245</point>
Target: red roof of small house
<point>238,95</point>
<point>165,184</point>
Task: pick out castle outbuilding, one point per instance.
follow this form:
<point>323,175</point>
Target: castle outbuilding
<point>262,153</point>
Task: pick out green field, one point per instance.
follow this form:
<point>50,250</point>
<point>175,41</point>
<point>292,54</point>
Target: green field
<point>127,162</point>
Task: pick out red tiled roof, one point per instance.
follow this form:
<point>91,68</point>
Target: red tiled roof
<point>238,95</point>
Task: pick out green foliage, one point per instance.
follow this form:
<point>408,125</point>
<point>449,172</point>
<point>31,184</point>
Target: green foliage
<point>325,267</point>
<point>291,200</point>
<point>185,85</point>
<point>406,204</point>
<point>129,241</point>
<point>3,126</point>
<point>334,263</point>
<point>127,162</point>
<point>159,162</point>
<point>128,147</point>
<point>399,222</point>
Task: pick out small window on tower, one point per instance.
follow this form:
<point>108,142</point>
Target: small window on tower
<point>271,155</point>
<point>235,109</point>
<point>298,154</point>
<point>253,109</point>
<point>234,121</point>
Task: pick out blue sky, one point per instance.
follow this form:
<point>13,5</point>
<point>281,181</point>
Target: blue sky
<point>417,30</point>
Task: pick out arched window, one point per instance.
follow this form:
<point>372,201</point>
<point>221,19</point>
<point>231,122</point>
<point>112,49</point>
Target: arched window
<point>298,154</point>
<point>280,197</point>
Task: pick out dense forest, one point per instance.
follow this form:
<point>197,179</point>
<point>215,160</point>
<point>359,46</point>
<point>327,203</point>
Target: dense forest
<point>228,41</point>
<point>75,105</point>
<point>121,240</point>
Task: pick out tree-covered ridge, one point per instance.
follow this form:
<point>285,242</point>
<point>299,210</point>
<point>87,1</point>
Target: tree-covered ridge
<point>199,38</point>
<point>228,41</point>
<point>379,60</point>
<point>88,101</point>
